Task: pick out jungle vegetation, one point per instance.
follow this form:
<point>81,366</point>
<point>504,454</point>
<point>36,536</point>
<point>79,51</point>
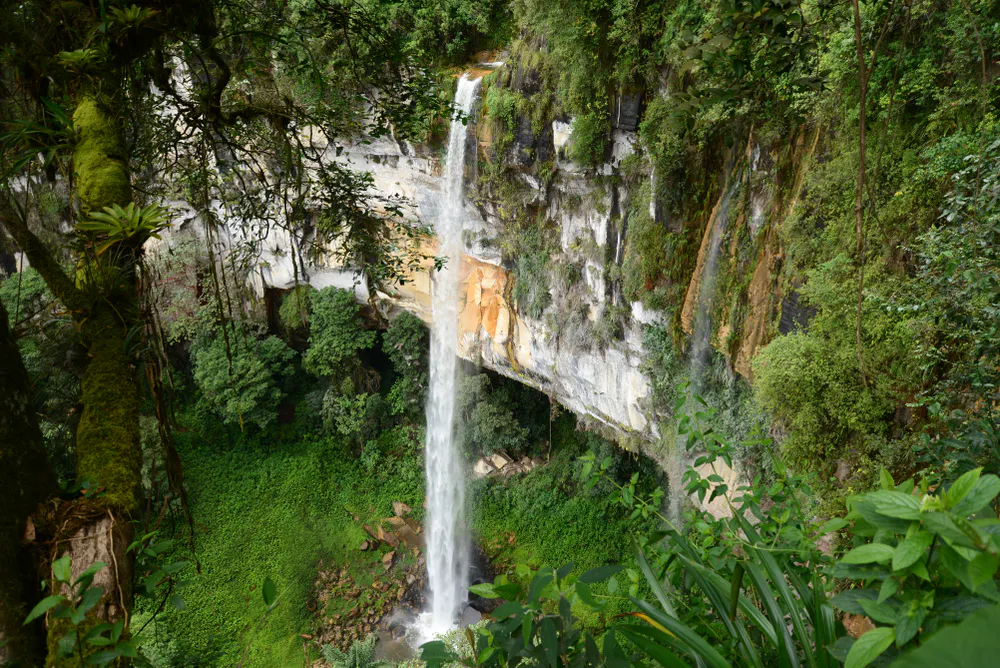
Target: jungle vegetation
<point>182,461</point>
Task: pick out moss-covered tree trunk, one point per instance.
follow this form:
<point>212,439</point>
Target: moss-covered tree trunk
<point>107,439</point>
<point>26,480</point>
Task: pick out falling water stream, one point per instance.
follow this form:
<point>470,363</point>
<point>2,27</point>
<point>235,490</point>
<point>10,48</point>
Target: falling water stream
<point>448,547</point>
<point>701,340</point>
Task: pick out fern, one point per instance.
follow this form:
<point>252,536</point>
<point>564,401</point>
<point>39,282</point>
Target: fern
<point>361,654</point>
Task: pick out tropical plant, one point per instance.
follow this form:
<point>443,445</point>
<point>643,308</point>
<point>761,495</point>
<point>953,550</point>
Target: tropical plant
<point>82,637</point>
<point>921,560</point>
<point>361,654</point>
<point>132,224</point>
<point>335,333</point>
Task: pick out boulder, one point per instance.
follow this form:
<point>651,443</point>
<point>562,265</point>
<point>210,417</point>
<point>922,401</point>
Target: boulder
<point>500,460</point>
<point>388,558</point>
<point>387,537</point>
<point>399,509</point>
<point>482,468</point>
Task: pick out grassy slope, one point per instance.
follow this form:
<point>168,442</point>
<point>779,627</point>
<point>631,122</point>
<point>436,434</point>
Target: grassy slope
<point>274,514</point>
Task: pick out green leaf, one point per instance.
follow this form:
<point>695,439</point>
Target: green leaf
<point>885,478</point>
<point>911,549</point>
<point>895,504</point>
<point>850,600</point>
<point>550,641</point>
<point>868,647</point>
<point>66,644</point>
<point>961,487</point>
<point>61,569</point>
<point>653,581</point>
<point>880,612</point>
<point>103,657</point>
<point>734,592</point>
<point>909,623</point>
<point>889,587</point>
<point>177,601</point>
<point>867,554</point>
<point>981,494</point>
<point>684,634</point>
<point>43,606</point>
<point>538,585</point>
<point>600,573</point>
<point>973,642</point>
<point>90,572</point>
<point>87,601</point>
<point>486,590</point>
<point>583,591</point>
<point>836,524</point>
<point>982,568</point>
<point>612,585</point>
<point>270,591</point>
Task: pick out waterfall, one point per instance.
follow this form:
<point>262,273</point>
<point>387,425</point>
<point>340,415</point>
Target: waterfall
<point>701,340</point>
<point>702,330</point>
<point>448,547</point>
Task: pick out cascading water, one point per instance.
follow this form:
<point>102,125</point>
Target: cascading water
<point>700,342</point>
<point>448,547</point>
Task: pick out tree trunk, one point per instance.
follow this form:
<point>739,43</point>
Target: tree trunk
<point>107,439</point>
<point>25,481</point>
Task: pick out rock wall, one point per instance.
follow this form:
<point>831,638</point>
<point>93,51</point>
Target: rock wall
<point>585,347</point>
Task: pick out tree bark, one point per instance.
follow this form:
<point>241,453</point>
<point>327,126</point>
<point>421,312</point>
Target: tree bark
<point>26,479</point>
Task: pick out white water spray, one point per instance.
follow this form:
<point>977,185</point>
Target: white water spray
<point>448,546</point>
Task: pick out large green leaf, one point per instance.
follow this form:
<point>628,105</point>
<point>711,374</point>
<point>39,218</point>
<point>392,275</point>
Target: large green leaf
<point>870,553</point>
<point>43,606</point>
<point>911,549</point>
<point>962,486</point>
<point>972,643</point>
<point>653,581</point>
<point>868,647</point>
<point>895,504</point>
<point>982,493</point>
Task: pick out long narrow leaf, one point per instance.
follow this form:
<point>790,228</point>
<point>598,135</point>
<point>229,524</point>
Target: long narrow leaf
<point>654,582</point>
<point>786,650</point>
<point>695,643</point>
<point>718,591</point>
<point>659,653</point>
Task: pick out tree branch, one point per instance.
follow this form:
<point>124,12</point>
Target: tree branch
<point>13,219</point>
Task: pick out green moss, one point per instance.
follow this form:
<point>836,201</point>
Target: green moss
<point>99,166</point>
<point>107,439</point>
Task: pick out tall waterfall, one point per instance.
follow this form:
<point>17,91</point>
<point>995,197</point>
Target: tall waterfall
<point>448,547</point>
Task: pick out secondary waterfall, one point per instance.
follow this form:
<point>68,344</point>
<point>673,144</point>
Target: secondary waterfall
<point>701,340</point>
<point>448,547</point>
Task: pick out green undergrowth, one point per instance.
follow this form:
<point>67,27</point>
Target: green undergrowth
<point>262,511</point>
<point>549,516</point>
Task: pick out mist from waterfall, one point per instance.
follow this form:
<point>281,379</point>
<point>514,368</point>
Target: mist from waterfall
<point>448,546</point>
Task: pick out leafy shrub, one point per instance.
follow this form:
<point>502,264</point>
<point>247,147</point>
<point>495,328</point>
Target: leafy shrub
<point>357,417</point>
<point>488,422</point>
<point>296,307</point>
<point>335,334</point>
<point>531,290</point>
<point>247,392</point>
<point>406,342</point>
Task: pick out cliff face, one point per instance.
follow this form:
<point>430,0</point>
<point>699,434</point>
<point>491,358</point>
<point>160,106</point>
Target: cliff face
<point>555,314</point>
